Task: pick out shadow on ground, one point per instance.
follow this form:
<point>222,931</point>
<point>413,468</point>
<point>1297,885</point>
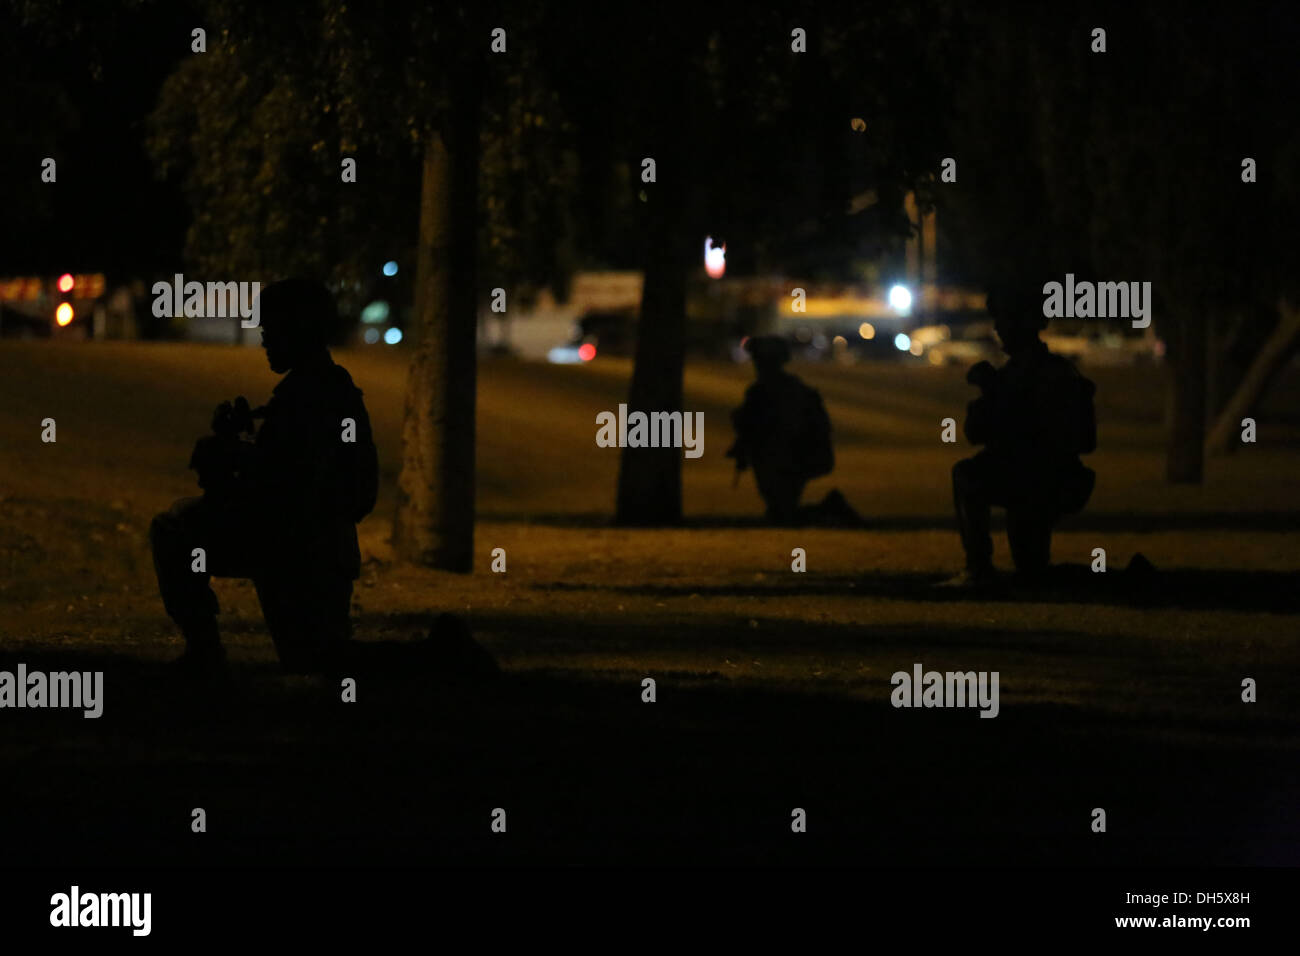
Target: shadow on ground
<point>1243,521</point>
<point>587,773</point>
<point>1187,588</point>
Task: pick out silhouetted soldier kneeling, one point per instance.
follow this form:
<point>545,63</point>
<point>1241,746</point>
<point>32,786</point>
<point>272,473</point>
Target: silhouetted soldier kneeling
<point>783,432</point>
<point>281,502</point>
<point>1035,417</point>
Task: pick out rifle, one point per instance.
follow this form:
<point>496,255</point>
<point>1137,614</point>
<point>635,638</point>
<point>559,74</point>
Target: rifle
<point>220,458</point>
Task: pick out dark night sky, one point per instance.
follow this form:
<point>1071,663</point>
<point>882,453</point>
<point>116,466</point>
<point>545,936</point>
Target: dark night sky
<point>107,212</point>
<point>80,91</point>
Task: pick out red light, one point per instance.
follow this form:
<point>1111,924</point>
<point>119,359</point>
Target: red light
<point>66,282</point>
<point>587,352</point>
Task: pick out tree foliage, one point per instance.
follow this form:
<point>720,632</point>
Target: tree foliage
<point>256,128</point>
<point>1126,165</point>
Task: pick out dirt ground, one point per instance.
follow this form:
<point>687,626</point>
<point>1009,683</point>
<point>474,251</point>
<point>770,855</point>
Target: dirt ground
<point>773,686</point>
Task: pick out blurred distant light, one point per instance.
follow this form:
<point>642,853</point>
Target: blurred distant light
<point>715,258</point>
<point>858,124</point>
<point>563,355</point>
<point>902,342</point>
<point>839,341</point>
<point>66,282</point>
<point>63,314</point>
<point>390,268</point>
<point>916,348</point>
<point>393,336</point>
<point>819,341</point>
<point>900,298</point>
<point>376,312</point>
<point>935,358</point>
<point>371,336</point>
<point>586,351</point>
<point>867,330</point>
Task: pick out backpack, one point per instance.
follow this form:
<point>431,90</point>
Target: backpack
<point>1084,415</point>
<point>816,456</point>
<point>366,475</point>
<point>360,462</point>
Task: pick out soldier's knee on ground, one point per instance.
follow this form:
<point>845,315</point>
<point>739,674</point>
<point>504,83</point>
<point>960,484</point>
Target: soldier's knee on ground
<point>1029,533</point>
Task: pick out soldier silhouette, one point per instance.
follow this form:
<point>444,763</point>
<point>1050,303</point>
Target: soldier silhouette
<point>1034,417</point>
<point>281,504</point>
<point>783,432</point>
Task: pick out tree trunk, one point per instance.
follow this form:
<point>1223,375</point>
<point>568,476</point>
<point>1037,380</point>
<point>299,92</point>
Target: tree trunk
<point>1270,360</point>
<point>434,525</point>
<point>650,479</point>
<point>1185,462</point>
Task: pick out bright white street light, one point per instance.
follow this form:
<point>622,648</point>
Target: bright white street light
<point>900,298</point>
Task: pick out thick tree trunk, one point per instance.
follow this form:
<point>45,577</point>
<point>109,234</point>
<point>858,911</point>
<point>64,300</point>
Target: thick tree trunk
<point>650,479</point>
<point>1185,461</point>
<point>434,525</point>
<point>1224,437</point>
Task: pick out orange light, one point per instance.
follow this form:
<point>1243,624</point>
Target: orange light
<point>587,352</point>
<point>66,282</point>
<point>63,314</point>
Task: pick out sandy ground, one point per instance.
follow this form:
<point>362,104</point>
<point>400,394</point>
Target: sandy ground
<point>773,685</point>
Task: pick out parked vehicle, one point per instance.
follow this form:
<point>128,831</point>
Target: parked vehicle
<point>960,345</point>
<point>1103,342</point>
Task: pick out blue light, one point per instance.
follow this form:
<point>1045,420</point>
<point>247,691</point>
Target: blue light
<point>372,336</point>
<point>390,268</point>
<point>393,336</point>
<point>376,312</point>
<point>902,342</point>
<point>564,355</point>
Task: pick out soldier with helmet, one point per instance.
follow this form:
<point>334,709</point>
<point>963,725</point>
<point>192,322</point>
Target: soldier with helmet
<point>783,432</point>
<point>281,502</point>
<point>1034,417</point>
